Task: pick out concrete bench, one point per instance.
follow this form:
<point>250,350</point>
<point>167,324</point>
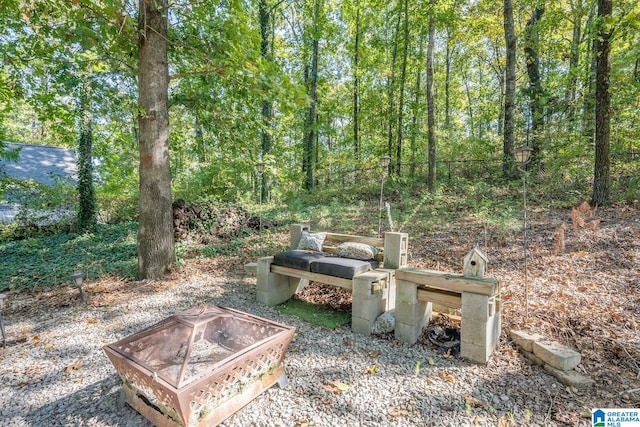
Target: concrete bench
<point>373,292</point>
<point>417,290</point>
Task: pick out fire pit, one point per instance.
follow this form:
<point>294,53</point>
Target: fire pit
<point>200,366</point>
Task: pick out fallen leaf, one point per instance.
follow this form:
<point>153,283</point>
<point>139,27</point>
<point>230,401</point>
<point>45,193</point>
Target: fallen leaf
<point>73,367</point>
<point>372,369</point>
<point>340,385</point>
<point>449,378</point>
<point>374,353</point>
<point>91,321</point>
<point>430,361</point>
<point>472,401</point>
<point>582,288</point>
<point>48,346</point>
<point>36,338</point>
<point>397,413</point>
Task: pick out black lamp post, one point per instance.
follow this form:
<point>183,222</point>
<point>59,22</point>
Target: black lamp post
<point>260,169</point>
<point>522,156</point>
<point>384,162</point>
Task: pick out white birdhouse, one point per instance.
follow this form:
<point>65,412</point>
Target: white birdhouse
<point>475,263</point>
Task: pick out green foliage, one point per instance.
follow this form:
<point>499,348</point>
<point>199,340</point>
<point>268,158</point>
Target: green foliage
<point>41,204</point>
<point>43,262</point>
<point>314,314</point>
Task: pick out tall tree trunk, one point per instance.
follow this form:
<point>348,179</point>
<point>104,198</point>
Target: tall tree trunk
<point>535,85</point>
<point>391,89</point>
<point>574,61</point>
<point>588,114</point>
<point>415,121</point>
<point>431,113</point>
<point>447,83</point>
<point>86,193</point>
<point>601,178</point>
<point>508,162</point>
<point>267,103</point>
<point>356,103</point>
<point>156,252</point>
<point>311,122</point>
<point>403,79</point>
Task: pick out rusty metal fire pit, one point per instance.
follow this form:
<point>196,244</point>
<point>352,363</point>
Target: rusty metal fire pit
<point>200,366</point>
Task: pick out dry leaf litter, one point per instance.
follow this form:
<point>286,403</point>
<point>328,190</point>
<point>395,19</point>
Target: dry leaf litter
<point>584,291</point>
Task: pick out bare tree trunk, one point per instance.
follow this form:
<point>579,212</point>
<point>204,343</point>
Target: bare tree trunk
<point>267,103</point>
<point>356,107</point>
<point>601,178</point>
<point>588,115</point>
<point>403,78</point>
<point>447,83</point>
<point>535,85</point>
<point>156,252</point>
<point>415,121</point>
<point>431,113</point>
<point>311,122</point>
<point>391,89</point>
<point>508,163</point>
<point>574,61</point>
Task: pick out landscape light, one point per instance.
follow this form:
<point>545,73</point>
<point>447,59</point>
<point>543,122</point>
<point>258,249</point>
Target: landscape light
<point>78,278</point>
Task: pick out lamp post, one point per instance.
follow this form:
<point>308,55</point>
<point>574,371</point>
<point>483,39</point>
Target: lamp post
<point>78,278</point>
<point>260,169</point>
<point>522,156</point>
<point>384,162</point>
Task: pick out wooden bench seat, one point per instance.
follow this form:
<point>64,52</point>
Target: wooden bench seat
<point>373,292</point>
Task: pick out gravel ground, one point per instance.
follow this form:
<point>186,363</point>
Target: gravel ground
<point>59,375</point>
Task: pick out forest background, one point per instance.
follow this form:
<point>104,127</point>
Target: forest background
<point>317,91</point>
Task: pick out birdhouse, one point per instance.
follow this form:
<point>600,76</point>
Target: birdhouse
<point>475,263</point>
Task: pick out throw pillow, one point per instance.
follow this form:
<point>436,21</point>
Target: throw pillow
<point>312,241</point>
<point>356,250</point>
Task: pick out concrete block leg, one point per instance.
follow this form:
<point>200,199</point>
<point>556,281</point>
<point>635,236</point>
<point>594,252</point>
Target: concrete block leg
<point>370,295</point>
<point>411,314</point>
<point>272,288</point>
<point>480,326</point>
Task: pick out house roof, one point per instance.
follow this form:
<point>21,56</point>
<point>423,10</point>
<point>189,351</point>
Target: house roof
<point>41,163</point>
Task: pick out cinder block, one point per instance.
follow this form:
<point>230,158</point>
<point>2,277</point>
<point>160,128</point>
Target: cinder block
<point>264,265</point>
<point>475,353</point>
<point>477,332</point>
<point>273,297</point>
<point>557,355</point>
<point>395,249</point>
<point>364,285</point>
<point>361,326</point>
<point>251,268</point>
<point>524,340</point>
<point>406,292</point>
<point>297,285</point>
<point>476,306</point>
<point>571,378</point>
<point>295,232</point>
<point>390,297</point>
<point>413,314</point>
<point>407,333</point>
<point>368,309</point>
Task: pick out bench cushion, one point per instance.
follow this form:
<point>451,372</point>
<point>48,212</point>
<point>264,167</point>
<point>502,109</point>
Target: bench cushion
<point>298,259</point>
<point>342,267</point>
